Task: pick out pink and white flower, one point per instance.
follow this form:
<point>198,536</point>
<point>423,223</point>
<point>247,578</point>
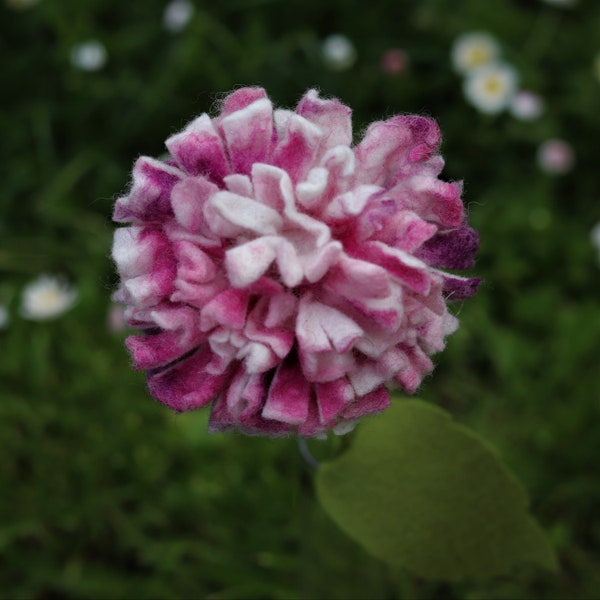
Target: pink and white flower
<point>285,276</point>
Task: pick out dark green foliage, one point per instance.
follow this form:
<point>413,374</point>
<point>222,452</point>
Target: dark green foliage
<point>105,494</point>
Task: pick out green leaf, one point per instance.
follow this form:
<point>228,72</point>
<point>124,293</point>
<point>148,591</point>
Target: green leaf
<point>419,491</point>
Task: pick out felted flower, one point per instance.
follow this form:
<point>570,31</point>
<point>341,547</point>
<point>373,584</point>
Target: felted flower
<point>285,276</point>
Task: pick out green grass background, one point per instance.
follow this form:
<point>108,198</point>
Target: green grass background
<point>106,494</point>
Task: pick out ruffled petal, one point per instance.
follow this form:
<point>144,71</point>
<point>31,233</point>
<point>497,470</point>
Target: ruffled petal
<point>199,150</point>
<point>150,197</point>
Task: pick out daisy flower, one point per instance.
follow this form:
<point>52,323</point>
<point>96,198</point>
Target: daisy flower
<point>46,297</point>
<point>474,50</point>
<point>177,15</point>
<point>89,56</point>
<point>490,89</point>
<point>338,52</point>
<point>284,276</point>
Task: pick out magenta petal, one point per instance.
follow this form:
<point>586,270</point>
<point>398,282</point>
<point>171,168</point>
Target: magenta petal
<point>198,149</point>
<point>187,385</point>
<point>241,98</point>
<point>222,420</point>
<point>331,116</point>
<point>373,402</point>
<point>332,397</point>
<point>151,351</point>
<point>401,265</point>
<point>312,424</point>
<point>460,288</point>
<point>245,395</point>
<point>288,396</point>
<point>177,334</point>
<point>188,199</point>
<point>390,145</point>
<point>150,196</point>
<point>417,365</point>
<point>297,147</point>
<point>453,249</point>
<point>227,308</point>
<point>248,135</point>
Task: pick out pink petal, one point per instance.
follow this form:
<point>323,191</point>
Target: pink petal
<point>370,403</point>
<point>227,308</point>
<point>150,196</point>
<point>418,364</point>
<point>389,145</point>
<point>320,367</point>
<point>136,250</point>
<point>188,199</point>
<point>186,385</point>
<point>248,135</point>
<point>229,215</point>
<point>403,266</point>
<point>288,396</point>
<point>460,288</point>
<point>297,147</point>
<point>332,397</point>
<point>320,328</point>
<point>198,149</point>
<point>245,395</point>
<point>352,278</point>
<point>431,199</point>
<point>453,249</point>
<point>331,116</point>
<point>239,184</point>
<point>241,98</point>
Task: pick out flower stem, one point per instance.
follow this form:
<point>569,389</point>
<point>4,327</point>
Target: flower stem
<point>309,459</point>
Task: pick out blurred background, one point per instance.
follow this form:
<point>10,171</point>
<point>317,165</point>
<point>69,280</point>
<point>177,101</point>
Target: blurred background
<point>106,494</point>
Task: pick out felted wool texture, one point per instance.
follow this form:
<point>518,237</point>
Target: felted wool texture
<point>283,276</point>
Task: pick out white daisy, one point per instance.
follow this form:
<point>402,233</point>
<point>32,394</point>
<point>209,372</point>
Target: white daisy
<point>526,105</point>
<point>46,297</point>
<point>474,50</point>
<point>177,15</point>
<point>338,52</point>
<point>89,56</point>
<point>490,89</point>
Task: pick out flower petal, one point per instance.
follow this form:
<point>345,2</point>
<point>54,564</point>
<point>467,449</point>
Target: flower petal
<point>198,149</point>
<point>331,116</point>
<point>248,135</point>
<point>288,396</point>
<point>149,199</point>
